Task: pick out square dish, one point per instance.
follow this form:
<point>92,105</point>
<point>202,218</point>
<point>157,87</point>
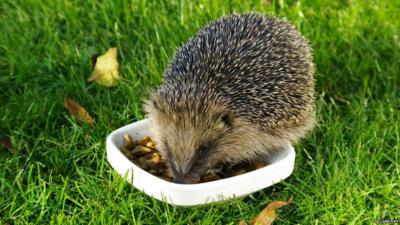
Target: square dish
<point>280,166</point>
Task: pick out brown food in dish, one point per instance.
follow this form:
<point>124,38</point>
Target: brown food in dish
<point>144,154</point>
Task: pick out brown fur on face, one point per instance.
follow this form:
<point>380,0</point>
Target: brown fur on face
<point>196,139</point>
<point>188,135</point>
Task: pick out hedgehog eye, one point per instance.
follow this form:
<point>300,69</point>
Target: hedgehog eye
<point>226,120</point>
<point>203,149</point>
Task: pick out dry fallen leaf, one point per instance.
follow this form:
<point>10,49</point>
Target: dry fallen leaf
<point>77,111</point>
<point>267,2</point>
<point>106,69</point>
<point>242,222</point>
<point>268,215</point>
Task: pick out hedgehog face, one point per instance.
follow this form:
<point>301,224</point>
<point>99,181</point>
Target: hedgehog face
<point>189,140</point>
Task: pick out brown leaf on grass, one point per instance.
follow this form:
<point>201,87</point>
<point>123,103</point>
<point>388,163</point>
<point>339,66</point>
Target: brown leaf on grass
<point>6,143</point>
<point>242,222</point>
<point>106,69</point>
<point>77,111</point>
<point>267,2</point>
<point>268,215</point>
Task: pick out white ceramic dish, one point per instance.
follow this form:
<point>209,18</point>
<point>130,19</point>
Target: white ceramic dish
<point>280,167</point>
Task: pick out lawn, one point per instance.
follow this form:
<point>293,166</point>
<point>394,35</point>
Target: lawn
<point>347,170</point>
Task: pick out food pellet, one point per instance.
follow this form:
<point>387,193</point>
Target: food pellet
<point>141,150</point>
<point>151,144</point>
<point>143,141</point>
<point>128,142</point>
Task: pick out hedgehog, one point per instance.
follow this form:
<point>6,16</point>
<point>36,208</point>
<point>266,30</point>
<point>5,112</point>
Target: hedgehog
<point>240,89</point>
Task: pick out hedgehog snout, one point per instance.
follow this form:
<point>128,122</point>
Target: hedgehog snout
<point>194,173</point>
<point>187,174</point>
<point>186,178</point>
<point>183,180</point>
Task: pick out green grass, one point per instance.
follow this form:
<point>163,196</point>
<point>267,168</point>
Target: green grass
<point>347,171</point>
